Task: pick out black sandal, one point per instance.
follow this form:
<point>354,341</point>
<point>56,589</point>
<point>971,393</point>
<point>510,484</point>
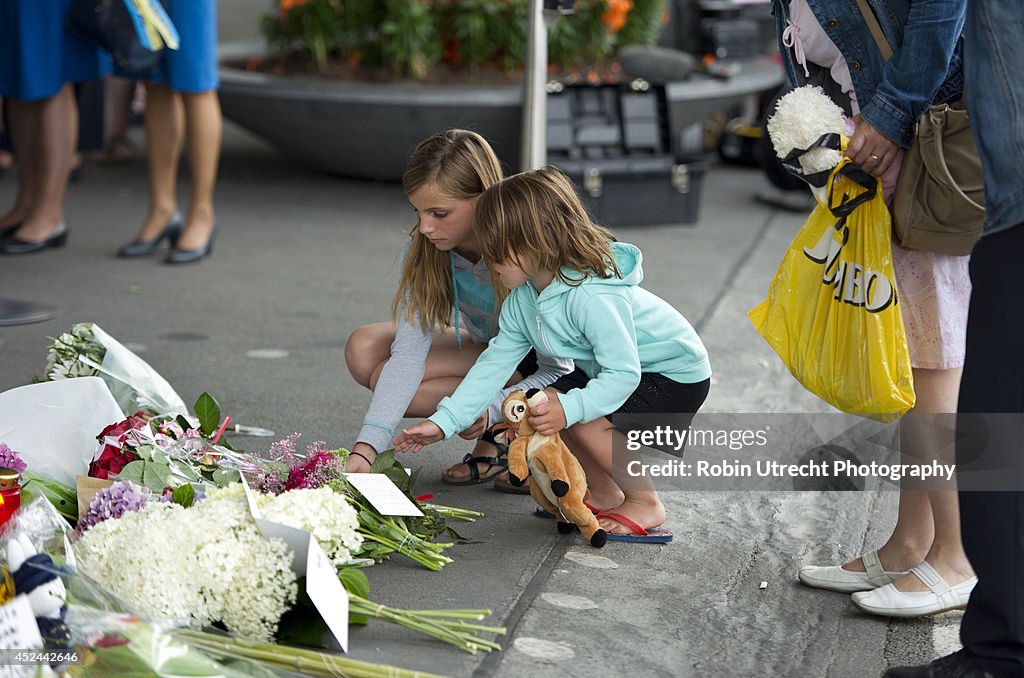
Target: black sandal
<point>495,465</point>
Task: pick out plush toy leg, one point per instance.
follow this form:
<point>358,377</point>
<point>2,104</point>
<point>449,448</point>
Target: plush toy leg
<point>518,471</point>
<point>575,510</point>
<point>545,503</point>
<point>550,460</point>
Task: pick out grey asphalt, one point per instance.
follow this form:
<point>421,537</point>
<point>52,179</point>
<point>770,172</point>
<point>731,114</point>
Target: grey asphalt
<point>303,259</point>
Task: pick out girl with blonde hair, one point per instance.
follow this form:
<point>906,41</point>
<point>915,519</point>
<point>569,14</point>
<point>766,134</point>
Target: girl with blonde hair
<point>443,313</point>
<point>572,289</point>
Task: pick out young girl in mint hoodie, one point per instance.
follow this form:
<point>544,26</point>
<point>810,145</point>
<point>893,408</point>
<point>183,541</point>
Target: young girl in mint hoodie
<point>574,292</point>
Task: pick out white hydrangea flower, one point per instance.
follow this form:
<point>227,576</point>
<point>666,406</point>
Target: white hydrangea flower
<point>324,513</point>
<point>198,565</point>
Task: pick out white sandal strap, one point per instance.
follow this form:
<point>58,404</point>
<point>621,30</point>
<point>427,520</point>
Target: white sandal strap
<point>932,579</point>
<point>873,568</point>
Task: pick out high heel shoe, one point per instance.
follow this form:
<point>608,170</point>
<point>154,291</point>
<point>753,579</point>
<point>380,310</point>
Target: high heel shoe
<point>142,248</point>
<point>180,256</point>
<point>58,238</point>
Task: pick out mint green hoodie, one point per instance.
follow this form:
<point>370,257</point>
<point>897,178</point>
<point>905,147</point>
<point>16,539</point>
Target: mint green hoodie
<point>612,328</point>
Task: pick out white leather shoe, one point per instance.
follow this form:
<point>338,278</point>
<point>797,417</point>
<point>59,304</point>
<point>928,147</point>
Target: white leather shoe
<point>835,578</point>
<point>889,601</point>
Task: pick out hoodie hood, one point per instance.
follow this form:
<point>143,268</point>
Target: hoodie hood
<point>628,259</point>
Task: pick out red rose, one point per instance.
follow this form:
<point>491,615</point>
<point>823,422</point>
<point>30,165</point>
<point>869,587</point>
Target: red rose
<point>110,461</point>
<point>112,458</point>
<point>136,422</point>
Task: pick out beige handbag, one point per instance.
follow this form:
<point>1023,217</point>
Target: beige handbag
<point>939,201</point>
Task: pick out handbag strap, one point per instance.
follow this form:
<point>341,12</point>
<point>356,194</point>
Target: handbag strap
<point>876,31</point>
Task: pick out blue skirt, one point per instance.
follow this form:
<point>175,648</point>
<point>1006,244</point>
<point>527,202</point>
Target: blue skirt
<point>193,66</point>
<point>37,55</point>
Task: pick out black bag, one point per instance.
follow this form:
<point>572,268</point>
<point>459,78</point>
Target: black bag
<point>613,142</point>
<point>108,24</point>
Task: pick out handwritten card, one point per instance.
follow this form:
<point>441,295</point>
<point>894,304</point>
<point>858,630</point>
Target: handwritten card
<point>383,494</point>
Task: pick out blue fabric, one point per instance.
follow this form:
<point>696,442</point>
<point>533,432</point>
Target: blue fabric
<point>995,59</point>
<point>926,66</point>
<point>193,66</point>
<point>612,328</point>
<point>37,55</point>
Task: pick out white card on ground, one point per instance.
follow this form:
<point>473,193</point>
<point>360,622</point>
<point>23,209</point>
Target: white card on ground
<point>383,494</point>
<point>327,592</point>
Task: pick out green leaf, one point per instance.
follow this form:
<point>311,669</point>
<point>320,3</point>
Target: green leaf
<point>224,477</point>
<point>384,460</point>
<point>184,495</point>
<point>155,476</point>
<point>354,581</point>
<point>208,410</point>
<point>133,471</point>
<point>62,496</point>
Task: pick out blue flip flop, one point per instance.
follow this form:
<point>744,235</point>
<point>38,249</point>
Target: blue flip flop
<point>654,535</point>
<point>544,513</point>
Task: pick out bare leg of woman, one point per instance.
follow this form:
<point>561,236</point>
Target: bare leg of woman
<point>925,518</point>
<point>25,133</point>
<point>204,125</point>
<point>937,439</point>
<point>165,130</point>
<point>53,147</point>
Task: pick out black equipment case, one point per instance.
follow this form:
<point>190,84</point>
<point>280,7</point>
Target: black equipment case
<point>613,140</point>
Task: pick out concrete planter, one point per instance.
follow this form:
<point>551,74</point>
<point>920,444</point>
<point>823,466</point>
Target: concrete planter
<point>363,130</point>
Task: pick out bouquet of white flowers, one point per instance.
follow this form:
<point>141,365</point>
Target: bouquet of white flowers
<point>88,351</point>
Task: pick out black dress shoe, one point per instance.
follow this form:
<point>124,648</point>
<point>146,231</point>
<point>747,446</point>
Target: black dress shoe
<point>180,256</point>
<point>142,248</point>
<point>956,665</point>
<point>58,238</point>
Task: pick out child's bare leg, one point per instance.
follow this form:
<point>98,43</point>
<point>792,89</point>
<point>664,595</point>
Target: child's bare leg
<point>594,443</point>
<point>368,350</point>
<point>605,494</point>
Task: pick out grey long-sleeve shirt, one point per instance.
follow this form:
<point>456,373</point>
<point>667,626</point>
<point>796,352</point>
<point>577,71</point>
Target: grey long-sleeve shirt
<point>403,372</point>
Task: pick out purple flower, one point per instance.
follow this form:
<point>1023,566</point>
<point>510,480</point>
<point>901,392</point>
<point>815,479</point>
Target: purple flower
<point>10,459</point>
<point>112,502</point>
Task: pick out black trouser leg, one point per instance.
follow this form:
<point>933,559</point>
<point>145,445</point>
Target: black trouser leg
<point>992,523</point>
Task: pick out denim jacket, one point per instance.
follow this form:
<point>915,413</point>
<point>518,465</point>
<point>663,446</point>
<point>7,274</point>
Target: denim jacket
<point>925,68</point>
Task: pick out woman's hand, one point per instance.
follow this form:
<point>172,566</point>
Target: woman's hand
<point>415,438</point>
<point>871,150</point>
<point>477,429</point>
<point>548,418</point>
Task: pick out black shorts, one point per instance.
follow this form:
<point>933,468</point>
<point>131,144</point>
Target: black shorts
<point>655,395</point>
<point>528,365</point>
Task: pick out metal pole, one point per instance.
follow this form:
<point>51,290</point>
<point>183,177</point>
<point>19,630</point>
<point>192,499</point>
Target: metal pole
<point>534,145</point>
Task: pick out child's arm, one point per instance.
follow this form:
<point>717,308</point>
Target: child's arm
<point>397,384</point>
<point>490,372</point>
<point>548,370</point>
<point>607,322</point>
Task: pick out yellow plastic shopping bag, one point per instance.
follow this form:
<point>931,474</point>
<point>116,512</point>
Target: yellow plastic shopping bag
<point>833,313</point>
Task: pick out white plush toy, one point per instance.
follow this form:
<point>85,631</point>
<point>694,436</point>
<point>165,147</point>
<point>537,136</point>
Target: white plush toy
<point>801,117</point>
<point>45,590</point>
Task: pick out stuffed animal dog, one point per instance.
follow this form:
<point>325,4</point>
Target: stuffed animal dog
<point>559,484</point>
